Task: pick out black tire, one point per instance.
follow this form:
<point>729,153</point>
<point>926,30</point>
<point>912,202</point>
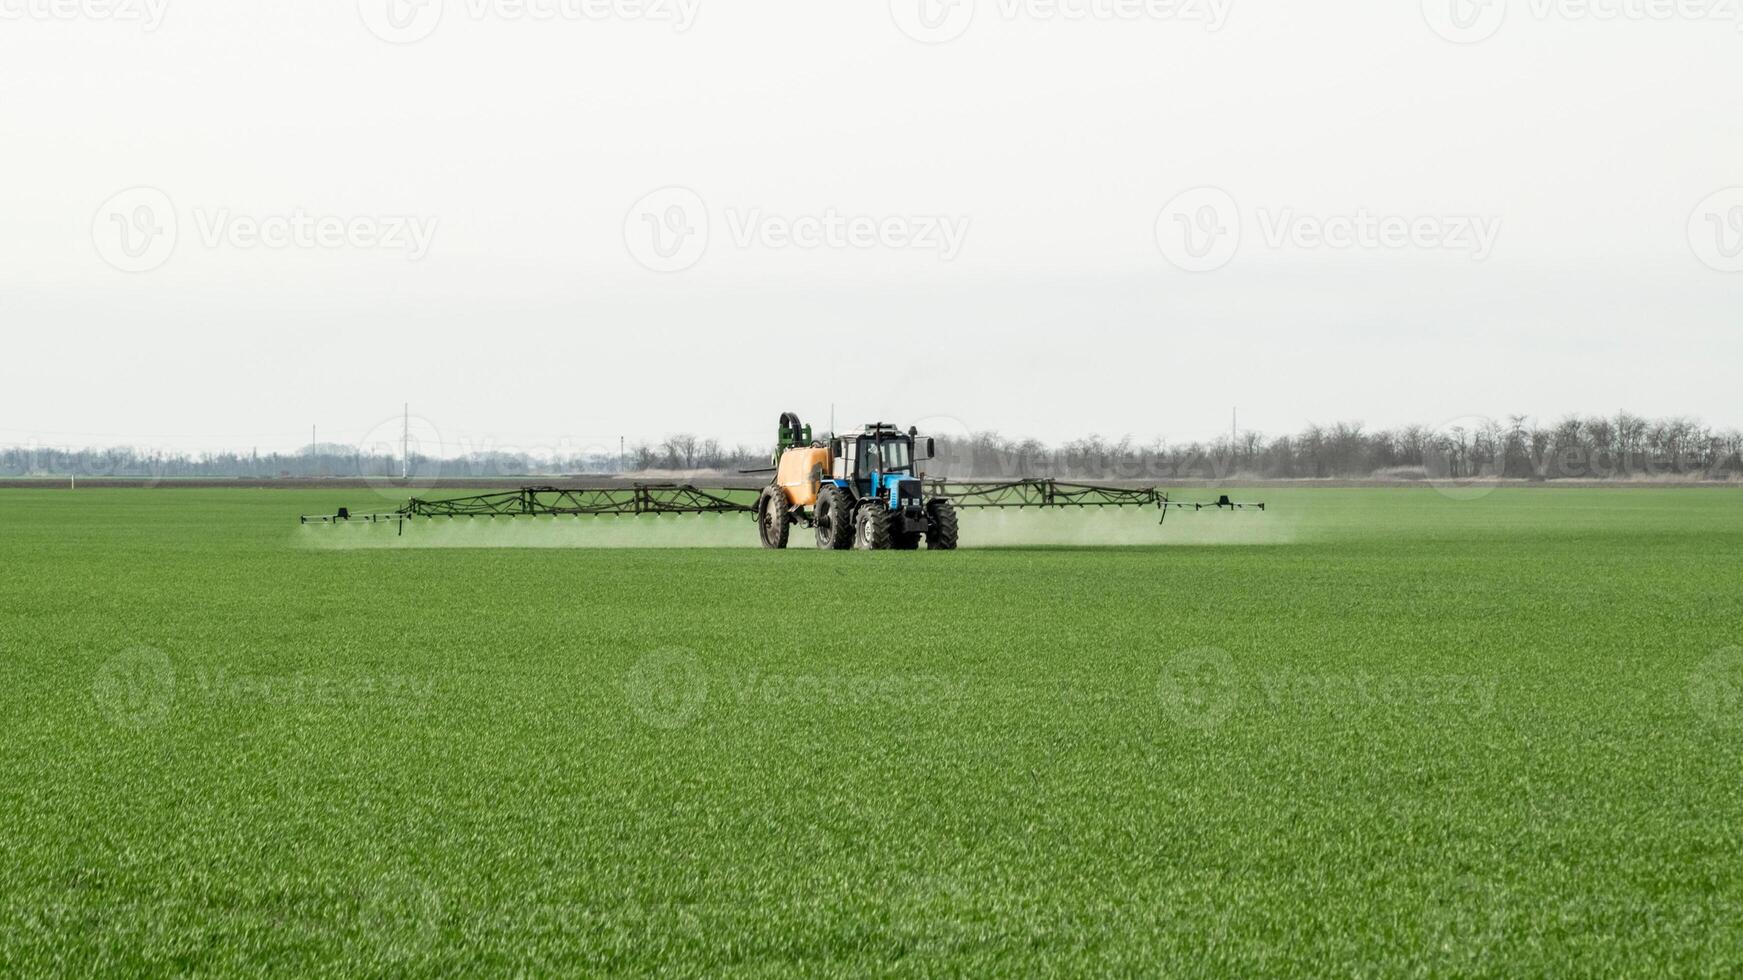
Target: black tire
<point>941,514</point>
<point>833,516</point>
<point>874,527</point>
<point>906,540</point>
<point>775,519</point>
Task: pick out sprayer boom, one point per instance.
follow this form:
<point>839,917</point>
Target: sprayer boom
<point>684,498</point>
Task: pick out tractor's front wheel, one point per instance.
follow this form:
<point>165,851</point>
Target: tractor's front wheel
<point>874,526</point>
<point>775,519</point>
<point>833,516</point>
<point>941,515</point>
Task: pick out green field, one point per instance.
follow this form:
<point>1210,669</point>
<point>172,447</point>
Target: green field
<point>1372,732</point>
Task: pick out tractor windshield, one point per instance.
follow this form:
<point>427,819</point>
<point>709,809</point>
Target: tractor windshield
<point>887,456</point>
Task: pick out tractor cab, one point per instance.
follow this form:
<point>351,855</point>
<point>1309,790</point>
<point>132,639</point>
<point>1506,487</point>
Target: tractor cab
<point>879,462</point>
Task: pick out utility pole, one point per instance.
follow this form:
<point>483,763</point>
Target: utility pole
<point>620,455</point>
<point>1234,425</point>
<point>405,441</point>
<point>313,469</point>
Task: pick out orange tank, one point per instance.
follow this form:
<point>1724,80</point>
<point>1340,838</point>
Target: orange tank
<point>800,472</point>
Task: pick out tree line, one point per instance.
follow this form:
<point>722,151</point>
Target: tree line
<point>1594,447</point>
<point>332,461</point>
<point>1587,448</point>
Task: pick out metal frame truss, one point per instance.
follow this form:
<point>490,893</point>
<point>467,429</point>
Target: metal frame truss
<point>642,498</point>
<point>1052,493</point>
<point>684,498</point>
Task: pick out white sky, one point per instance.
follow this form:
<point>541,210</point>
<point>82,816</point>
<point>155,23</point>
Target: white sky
<point>1594,141</point>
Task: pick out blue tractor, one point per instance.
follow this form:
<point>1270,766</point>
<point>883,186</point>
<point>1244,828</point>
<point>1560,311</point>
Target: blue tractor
<point>861,489</point>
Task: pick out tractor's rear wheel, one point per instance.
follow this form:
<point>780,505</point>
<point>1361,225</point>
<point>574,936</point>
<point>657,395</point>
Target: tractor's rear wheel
<point>833,516</point>
<point>874,526</point>
<point>941,515</point>
<point>776,519</point>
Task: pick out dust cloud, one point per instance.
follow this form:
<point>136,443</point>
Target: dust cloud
<point>1111,527</point>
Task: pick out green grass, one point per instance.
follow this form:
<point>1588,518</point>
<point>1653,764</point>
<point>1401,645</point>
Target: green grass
<point>1406,735</point>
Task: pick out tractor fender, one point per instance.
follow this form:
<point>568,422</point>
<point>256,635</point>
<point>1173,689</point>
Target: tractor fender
<point>771,492</point>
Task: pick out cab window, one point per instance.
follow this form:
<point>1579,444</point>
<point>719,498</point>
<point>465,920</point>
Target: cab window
<point>890,456</point>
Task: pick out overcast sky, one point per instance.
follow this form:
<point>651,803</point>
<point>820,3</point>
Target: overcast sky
<point>553,223</point>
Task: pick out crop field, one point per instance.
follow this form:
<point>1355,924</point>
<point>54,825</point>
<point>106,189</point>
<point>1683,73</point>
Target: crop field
<point>1369,732</point>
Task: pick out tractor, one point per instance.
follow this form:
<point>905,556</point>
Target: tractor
<point>860,489</point>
